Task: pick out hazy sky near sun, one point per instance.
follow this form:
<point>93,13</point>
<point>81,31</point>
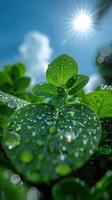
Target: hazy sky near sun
<point>33,31</point>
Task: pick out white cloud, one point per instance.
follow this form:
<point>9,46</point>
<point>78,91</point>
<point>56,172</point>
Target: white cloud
<point>94,81</point>
<point>35,52</point>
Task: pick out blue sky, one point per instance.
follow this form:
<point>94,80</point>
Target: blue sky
<point>20,17</point>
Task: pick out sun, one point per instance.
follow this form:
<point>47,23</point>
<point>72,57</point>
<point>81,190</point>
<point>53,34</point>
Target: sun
<point>82,22</point>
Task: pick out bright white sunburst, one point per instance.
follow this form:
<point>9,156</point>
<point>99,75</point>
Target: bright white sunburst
<point>82,22</point>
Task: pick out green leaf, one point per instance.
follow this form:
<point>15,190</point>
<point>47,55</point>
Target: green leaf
<point>81,81</point>
<point>45,89</point>
<point>100,102</point>
<point>10,186</point>
<point>61,70</point>
<point>44,143</point>
<point>17,70</point>
<point>71,189</point>
<point>56,95</point>
<point>5,78</point>
<point>70,83</point>
<point>103,186</point>
<point>22,83</point>
<point>12,101</point>
<point>105,150</point>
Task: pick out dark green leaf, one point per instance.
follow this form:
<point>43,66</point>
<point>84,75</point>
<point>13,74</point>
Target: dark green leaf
<point>104,186</point>
<point>22,83</point>
<point>105,150</point>
<point>5,78</point>
<point>61,70</point>
<point>81,81</point>
<point>44,143</point>
<point>70,83</point>
<point>71,189</point>
<point>17,70</point>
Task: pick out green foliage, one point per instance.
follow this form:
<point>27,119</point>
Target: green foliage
<point>46,90</point>
<point>56,131</point>
<point>78,84</point>
<point>103,188</point>
<point>61,70</point>
<point>65,139</point>
<point>100,102</point>
<point>71,189</point>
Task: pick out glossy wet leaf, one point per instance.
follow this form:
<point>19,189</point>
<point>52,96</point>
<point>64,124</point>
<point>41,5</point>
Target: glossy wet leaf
<point>100,102</point>
<point>46,90</point>
<point>11,187</point>
<point>71,189</point>
<point>61,70</point>
<point>44,143</point>
<point>12,101</point>
<point>81,81</point>
<point>103,187</point>
<point>56,95</point>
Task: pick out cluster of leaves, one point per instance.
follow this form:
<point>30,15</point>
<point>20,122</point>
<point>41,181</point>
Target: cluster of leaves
<point>14,81</point>
<point>62,141</point>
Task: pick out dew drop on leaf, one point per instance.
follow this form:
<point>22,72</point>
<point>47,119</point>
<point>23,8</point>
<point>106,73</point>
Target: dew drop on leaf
<point>63,169</point>
<point>52,129</point>
<point>40,143</point>
<point>12,141</point>
<point>26,156</point>
<point>11,104</point>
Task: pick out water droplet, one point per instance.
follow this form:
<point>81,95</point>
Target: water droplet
<point>81,149</point>
<point>71,114</point>
<point>33,194</point>
<point>91,151</point>
<point>63,169</point>
<point>41,156</point>
<point>15,179</point>
<point>85,141</point>
<point>29,127</point>
<point>50,123</point>
<point>62,157</point>
<point>33,134</point>
<point>76,154</point>
<point>69,136</point>
<point>12,141</point>
<point>52,129</point>
<point>12,104</point>
<point>40,143</point>
<point>90,131</point>
<point>39,117</point>
<point>26,156</point>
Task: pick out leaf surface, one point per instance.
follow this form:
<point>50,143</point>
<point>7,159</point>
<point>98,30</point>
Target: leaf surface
<point>100,102</point>
<point>61,70</point>
<point>44,143</point>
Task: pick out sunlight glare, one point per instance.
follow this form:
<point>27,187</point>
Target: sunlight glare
<point>82,22</point>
